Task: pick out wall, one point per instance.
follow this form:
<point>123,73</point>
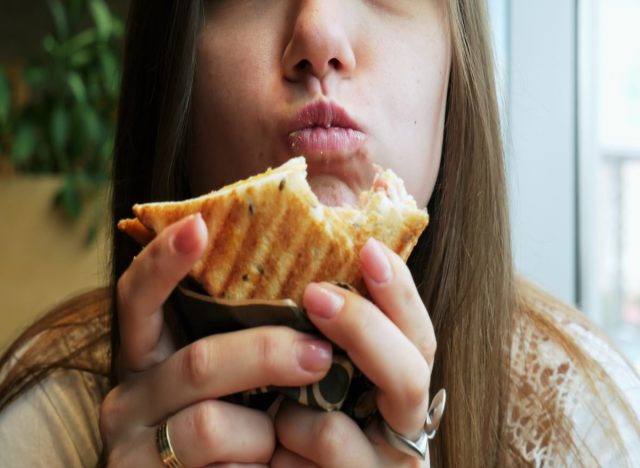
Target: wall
<point>23,23</point>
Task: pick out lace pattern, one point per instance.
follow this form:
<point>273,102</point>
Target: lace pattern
<point>549,386</point>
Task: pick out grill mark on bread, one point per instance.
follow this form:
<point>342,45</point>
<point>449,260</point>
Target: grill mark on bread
<point>226,246</point>
<point>215,213</point>
<point>255,245</point>
<point>244,254</point>
<point>267,257</point>
<point>311,253</point>
<point>281,264</point>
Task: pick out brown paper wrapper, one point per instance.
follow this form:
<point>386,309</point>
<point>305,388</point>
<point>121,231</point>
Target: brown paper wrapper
<point>344,387</point>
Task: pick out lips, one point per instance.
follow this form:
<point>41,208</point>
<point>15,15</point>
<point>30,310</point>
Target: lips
<point>324,129</point>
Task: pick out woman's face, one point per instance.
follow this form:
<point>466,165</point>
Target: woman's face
<point>346,83</point>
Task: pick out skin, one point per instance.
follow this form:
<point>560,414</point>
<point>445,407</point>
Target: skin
<point>386,63</point>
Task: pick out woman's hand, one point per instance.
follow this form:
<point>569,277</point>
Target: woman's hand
<point>392,342</point>
<point>158,382</point>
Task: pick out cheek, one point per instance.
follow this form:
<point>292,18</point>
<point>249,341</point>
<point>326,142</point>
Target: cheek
<point>413,93</point>
<point>223,127</point>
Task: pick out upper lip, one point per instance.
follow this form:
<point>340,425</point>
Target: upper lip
<point>324,114</point>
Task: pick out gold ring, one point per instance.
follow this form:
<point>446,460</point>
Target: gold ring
<point>167,455</point>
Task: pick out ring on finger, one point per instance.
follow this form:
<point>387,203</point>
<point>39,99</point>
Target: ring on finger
<point>418,447</point>
<point>163,441</point>
<point>434,415</point>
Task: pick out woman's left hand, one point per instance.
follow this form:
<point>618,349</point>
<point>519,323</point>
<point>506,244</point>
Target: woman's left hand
<point>391,340</point>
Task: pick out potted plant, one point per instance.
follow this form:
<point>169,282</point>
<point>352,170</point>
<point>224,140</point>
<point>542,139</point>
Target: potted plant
<point>67,125</point>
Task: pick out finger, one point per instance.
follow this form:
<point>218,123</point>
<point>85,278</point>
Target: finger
<point>215,431</point>
<point>146,284</point>
<point>392,289</point>
<point>229,363</point>
<point>211,430</point>
<point>283,458</point>
<point>236,465</point>
<point>329,439</point>
<point>378,348</point>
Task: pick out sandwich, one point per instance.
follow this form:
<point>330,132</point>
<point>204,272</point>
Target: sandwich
<point>269,236</point>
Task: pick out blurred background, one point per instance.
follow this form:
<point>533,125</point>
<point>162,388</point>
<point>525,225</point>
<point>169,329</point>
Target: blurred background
<point>60,65</point>
<point>569,83</point>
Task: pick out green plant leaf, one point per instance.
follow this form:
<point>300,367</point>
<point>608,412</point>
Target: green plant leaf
<point>5,97</point>
<point>75,10</point>
<point>117,28</point>
<point>82,40</point>
<point>50,45</point>
<point>59,15</point>
<point>35,76</point>
<point>102,17</point>
<point>92,124</point>
<point>59,129</point>
<point>81,58</point>
<point>76,85</point>
<point>25,141</point>
<point>109,65</point>
<point>70,196</point>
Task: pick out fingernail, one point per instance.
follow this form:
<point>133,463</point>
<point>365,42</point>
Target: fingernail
<point>314,355</point>
<point>321,301</point>
<point>374,261</point>
<point>186,240</point>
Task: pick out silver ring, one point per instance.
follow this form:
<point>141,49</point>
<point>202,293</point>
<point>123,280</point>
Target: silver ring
<point>418,447</point>
<point>434,415</point>
<point>163,442</point>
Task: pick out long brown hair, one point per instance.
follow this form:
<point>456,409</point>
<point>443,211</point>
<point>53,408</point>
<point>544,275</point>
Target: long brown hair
<point>462,264</point>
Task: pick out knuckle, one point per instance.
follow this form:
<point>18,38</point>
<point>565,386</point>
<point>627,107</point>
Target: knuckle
<point>408,293</point>
<point>111,415</point>
<point>331,435</point>
<point>268,352</point>
<point>416,388</point>
<point>196,362</point>
<point>427,347</point>
<point>123,290</point>
<point>154,259</point>
<point>209,426</point>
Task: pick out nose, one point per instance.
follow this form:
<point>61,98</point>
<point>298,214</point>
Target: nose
<point>319,44</point>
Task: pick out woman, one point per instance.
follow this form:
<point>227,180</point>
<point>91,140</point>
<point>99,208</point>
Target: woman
<point>215,91</point>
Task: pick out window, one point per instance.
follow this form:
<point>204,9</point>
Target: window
<point>610,154</point>
<point>569,82</point>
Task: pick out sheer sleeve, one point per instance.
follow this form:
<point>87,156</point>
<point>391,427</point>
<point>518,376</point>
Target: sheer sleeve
<point>575,400</point>
<point>54,423</point>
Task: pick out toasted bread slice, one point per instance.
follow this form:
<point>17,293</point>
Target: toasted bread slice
<point>269,236</point>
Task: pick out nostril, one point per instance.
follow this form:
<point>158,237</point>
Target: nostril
<point>335,63</point>
<point>303,65</point>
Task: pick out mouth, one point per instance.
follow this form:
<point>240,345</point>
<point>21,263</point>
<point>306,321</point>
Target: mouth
<point>333,145</point>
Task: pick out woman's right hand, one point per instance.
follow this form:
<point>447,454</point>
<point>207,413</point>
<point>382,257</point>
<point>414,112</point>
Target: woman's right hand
<point>158,382</point>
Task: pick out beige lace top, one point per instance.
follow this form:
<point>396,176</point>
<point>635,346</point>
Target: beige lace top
<point>559,386</point>
<point>55,423</point>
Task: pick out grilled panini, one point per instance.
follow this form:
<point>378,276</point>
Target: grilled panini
<point>269,236</point>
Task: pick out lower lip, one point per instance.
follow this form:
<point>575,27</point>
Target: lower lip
<point>326,140</point>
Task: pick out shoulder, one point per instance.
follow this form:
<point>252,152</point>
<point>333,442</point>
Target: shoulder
<point>574,397</point>
<point>55,422</point>
<point>52,381</point>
